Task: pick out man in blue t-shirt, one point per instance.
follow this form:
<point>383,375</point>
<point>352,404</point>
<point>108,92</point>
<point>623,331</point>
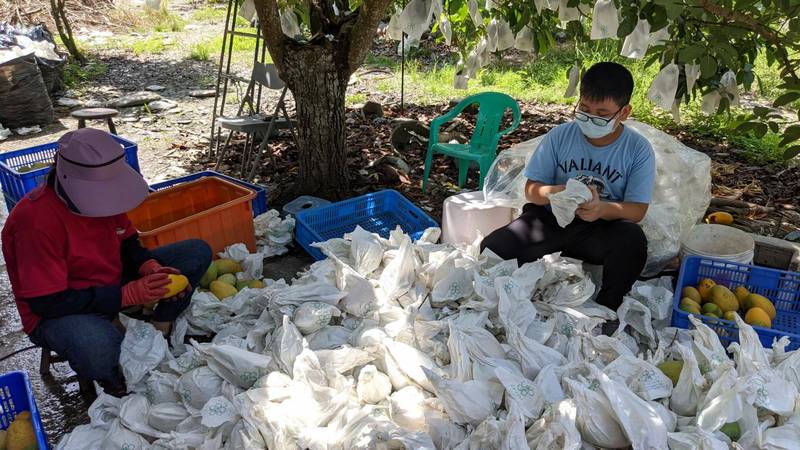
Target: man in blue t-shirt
<point>619,167</point>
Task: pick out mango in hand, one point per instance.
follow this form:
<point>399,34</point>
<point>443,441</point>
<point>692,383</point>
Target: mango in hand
<point>177,284</point>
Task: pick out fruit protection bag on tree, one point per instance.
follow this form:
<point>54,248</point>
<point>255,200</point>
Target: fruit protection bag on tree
<point>681,193</point>
<point>605,20</point>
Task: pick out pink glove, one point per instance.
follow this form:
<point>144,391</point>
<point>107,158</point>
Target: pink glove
<point>152,266</point>
<point>148,289</point>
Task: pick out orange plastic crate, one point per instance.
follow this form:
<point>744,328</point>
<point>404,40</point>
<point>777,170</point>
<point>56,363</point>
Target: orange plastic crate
<point>212,209</point>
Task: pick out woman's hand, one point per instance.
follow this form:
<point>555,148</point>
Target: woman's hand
<point>148,289</point>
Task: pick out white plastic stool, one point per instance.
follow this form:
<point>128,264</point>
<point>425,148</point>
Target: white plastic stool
<point>465,216</point>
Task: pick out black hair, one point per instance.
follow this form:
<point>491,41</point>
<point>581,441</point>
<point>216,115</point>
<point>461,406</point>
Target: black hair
<point>607,80</point>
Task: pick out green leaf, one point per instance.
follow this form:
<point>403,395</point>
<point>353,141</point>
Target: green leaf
<point>761,111</point>
<point>791,152</point>
<point>708,66</point>
<point>745,127</point>
<point>626,26</point>
<point>786,99</point>
<point>790,134</point>
<point>773,126</point>
<point>690,53</point>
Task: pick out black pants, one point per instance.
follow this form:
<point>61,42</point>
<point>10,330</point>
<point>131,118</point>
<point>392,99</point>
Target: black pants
<point>619,246</point>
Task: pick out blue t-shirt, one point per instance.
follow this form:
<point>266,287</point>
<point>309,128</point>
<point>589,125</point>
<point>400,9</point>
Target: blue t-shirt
<point>623,171</point>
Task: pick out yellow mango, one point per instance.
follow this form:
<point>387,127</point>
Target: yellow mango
<point>692,293</point>
<point>759,301</point>
<point>177,284</point>
<point>20,433</point>
<point>222,290</point>
<point>225,265</point>
<point>209,276</point>
<point>228,278</point>
<point>704,288</point>
<point>741,294</point>
<point>757,317</point>
<point>724,298</point>
<point>720,217</point>
<point>672,369</point>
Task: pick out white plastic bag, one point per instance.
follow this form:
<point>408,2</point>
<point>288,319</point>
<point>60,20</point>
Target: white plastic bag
<point>236,365</point>
<point>366,251</point>
<point>636,43</point>
<point>399,275</point>
<point>415,364</point>
<point>690,390</point>
<point>287,343</point>
<point>728,83</point>
<point>605,20</point>
<point>104,409</point>
<point>407,410</point>
<point>524,40</point>
<point>469,402</point>
<point>664,87</point>
<point>197,386</point>
<point>499,35</point>
<point>595,418</point>
<point>556,429</point>
<point>697,439</point>
<point>636,314</point>
<point>165,417</point>
<point>312,316</point>
<point>344,359</point>
<point>373,385</point>
<point>643,378</point>
<point>142,350</point>
<point>289,24</point>
<point>330,338</point>
<point>133,414</point>
<point>475,13</point>
<point>642,424</point>
<point>82,437</point>
<point>218,411</point>
<point>692,72</point>
<point>121,438</point>
<point>572,85</point>
<point>563,204</point>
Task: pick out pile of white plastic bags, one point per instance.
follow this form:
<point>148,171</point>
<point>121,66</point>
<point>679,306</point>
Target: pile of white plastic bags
<point>393,344</point>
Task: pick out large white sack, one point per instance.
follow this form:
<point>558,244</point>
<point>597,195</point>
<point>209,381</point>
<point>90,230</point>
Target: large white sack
<point>681,194</point>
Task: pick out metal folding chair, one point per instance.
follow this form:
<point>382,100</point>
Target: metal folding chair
<point>255,124</point>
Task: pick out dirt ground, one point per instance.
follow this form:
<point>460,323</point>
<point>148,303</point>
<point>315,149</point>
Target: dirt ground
<point>176,142</point>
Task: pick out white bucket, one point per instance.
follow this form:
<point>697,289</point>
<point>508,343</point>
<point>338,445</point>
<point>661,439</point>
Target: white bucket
<point>719,241</point>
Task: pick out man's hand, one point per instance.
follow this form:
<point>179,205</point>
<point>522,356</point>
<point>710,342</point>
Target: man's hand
<point>591,210</point>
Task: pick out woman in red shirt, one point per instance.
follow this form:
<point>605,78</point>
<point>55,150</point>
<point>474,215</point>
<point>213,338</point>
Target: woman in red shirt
<point>74,258</point>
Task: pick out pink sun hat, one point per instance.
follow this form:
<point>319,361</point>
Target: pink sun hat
<point>92,172</point>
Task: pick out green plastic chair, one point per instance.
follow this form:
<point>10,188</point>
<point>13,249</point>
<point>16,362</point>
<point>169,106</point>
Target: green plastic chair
<point>482,147</point>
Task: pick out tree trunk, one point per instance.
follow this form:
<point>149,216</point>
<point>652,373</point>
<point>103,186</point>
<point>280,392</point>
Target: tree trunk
<point>319,84</point>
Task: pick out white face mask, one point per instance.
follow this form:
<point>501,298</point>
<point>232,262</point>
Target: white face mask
<point>595,127</point>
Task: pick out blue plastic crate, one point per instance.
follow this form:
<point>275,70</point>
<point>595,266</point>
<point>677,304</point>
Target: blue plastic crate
<point>16,396</point>
<point>379,212</point>
<point>259,202</point>
<point>15,184</point>
<point>779,286</point>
